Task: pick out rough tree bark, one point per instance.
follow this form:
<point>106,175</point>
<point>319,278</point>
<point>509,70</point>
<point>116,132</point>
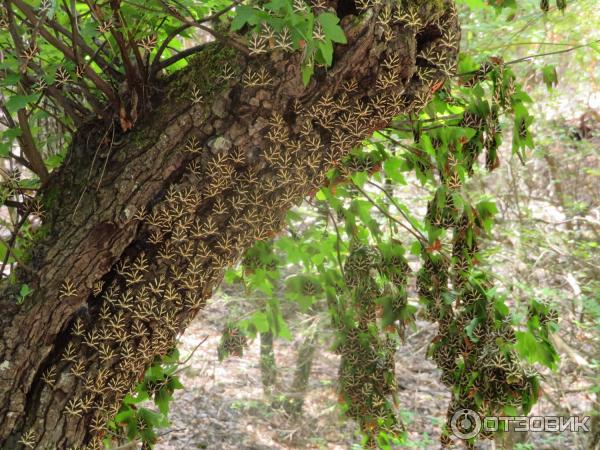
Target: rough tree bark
<point>140,225</point>
<point>268,365</point>
<point>294,399</point>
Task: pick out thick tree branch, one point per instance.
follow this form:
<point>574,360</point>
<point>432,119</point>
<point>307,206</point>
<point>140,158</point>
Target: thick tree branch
<point>29,148</point>
<point>178,57</point>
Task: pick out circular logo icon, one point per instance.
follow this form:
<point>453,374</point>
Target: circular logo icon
<point>465,424</point>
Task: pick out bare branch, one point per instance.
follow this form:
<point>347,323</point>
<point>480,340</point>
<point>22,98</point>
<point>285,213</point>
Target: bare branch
<point>76,40</point>
<point>25,139</point>
<point>134,78</point>
<point>163,46</point>
<point>13,240</point>
<point>102,85</point>
<point>178,57</point>
<point>199,24</point>
<point>21,161</point>
<point>537,55</point>
<point>29,148</point>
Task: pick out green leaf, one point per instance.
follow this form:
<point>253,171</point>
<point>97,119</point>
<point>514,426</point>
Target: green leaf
<point>231,276</point>
<point>307,72</point>
<point>12,133</point>
<point>10,79</point>
<point>175,384</point>
<point>393,169</point>
<point>469,329</point>
<point>427,146</point>
<point>162,400</point>
<point>23,293</point>
<point>416,248</point>
<point>511,411</point>
<point>536,350</point>
<point>5,149</point>
<point>473,4</point>
<point>260,281</point>
<point>332,30</point>
<point>154,373</point>
<point>17,102</point>
<point>283,330</point>
<point>25,290</point>
<point>284,6</point>
<point>326,49</point>
<point>486,210</point>
<point>125,415</point>
<point>153,418</point>
<point>260,321</point>
<point>292,249</point>
<point>243,14</point>
<point>501,307</point>
<point>359,178</point>
<point>549,76</point>
<point>54,161</point>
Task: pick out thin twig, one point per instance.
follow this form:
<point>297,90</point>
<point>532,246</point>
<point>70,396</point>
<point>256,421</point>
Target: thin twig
<point>182,363</point>
<point>13,239</point>
<point>193,351</point>
<point>337,242</point>
<point>102,85</point>
<point>178,57</point>
<point>89,176</point>
<point>389,216</point>
<point>391,199</point>
<point>102,63</point>
<point>199,24</point>
<point>537,55</point>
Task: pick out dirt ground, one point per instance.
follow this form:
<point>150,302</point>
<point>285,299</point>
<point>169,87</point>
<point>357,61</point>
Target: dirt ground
<point>222,406</point>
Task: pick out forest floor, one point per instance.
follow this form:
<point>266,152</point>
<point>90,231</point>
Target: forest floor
<point>223,407</point>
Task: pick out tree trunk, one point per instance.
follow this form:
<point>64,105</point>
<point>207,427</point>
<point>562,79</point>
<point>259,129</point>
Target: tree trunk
<point>140,226</point>
<point>294,399</point>
<point>268,365</point>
